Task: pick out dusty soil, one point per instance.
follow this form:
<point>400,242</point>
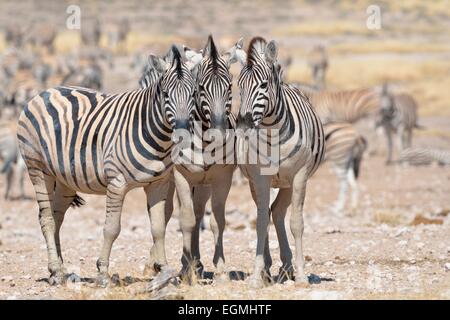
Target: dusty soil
<point>376,251</point>
<point>396,244</point>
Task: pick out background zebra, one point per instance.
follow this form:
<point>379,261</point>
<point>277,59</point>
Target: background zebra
<point>344,149</point>
<point>13,165</point>
<point>268,103</point>
<point>317,59</point>
<point>75,139</point>
<point>397,114</point>
<point>346,105</point>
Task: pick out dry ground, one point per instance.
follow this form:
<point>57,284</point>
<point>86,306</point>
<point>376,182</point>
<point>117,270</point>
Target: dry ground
<point>380,250</point>
<point>376,251</point>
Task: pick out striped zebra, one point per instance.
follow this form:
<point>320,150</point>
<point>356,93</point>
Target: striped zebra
<point>344,150</point>
<point>268,103</point>
<point>196,183</point>
<point>80,140</point>
<point>13,165</point>
<point>346,105</point>
<point>317,59</point>
<point>397,114</point>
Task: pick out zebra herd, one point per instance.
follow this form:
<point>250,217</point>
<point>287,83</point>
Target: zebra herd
<point>74,139</point>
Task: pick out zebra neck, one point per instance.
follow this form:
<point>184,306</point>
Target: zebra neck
<point>152,119</point>
<point>279,118</point>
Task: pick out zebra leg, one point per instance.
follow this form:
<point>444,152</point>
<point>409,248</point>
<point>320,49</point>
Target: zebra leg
<point>297,224</point>
<point>22,170</point>
<point>44,187</point>
<point>159,213</point>
<point>115,195</point>
<point>267,257</point>
<point>261,193</point>
<point>401,139</point>
<point>351,179</point>
<point>279,208</point>
<point>187,223</point>
<point>9,180</point>
<point>200,197</point>
<point>219,197</point>
<point>341,174</point>
<point>409,134</point>
<point>62,200</point>
<point>389,145</point>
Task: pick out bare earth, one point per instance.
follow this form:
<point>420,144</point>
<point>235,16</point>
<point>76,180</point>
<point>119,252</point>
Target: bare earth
<point>375,252</point>
<point>395,245</point>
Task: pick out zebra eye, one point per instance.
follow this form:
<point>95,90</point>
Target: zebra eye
<point>264,85</point>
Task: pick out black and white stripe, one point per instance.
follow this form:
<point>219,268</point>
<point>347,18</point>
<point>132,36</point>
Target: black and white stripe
<point>344,150</point>
<point>76,139</point>
<point>397,114</point>
<point>268,103</point>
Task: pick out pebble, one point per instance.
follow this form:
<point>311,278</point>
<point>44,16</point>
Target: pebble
<point>329,263</point>
<point>447,266</point>
<point>6,278</point>
<point>402,243</point>
<point>352,262</point>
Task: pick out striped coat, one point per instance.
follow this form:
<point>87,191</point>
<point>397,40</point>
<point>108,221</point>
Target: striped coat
<point>76,139</point>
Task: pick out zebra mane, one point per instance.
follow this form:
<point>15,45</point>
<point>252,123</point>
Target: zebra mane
<point>255,50</point>
<point>177,61</point>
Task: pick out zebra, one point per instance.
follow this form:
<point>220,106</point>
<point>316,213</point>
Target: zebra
<point>424,156</point>
<point>345,105</point>
<point>397,113</point>
<point>79,140</point>
<point>268,103</point>
<point>317,60</point>
<point>195,183</point>
<point>13,164</point>
<point>344,149</point>
<point>91,32</point>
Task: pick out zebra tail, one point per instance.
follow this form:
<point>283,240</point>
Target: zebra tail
<point>77,202</point>
<point>6,166</point>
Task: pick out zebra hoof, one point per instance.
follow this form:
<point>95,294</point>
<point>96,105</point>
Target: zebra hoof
<point>102,280</point>
<point>152,269</point>
<point>57,279</point>
<point>301,281</point>
<point>285,273</point>
<point>256,282</point>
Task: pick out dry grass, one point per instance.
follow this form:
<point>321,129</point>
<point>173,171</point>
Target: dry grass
<point>388,46</point>
<point>389,217</point>
<point>323,28</point>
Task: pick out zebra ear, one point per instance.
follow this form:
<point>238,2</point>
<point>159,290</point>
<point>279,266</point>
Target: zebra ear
<point>210,47</point>
<point>271,52</point>
<point>157,63</point>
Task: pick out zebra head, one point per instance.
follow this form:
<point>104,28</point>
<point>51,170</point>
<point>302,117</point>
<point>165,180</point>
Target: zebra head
<point>177,89</point>
<point>214,82</point>
<point>387,109</point>
<point>258,81</point>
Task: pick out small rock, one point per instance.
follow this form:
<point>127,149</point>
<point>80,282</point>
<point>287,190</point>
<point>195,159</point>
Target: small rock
<point>328,263</point>
<point>402,243</point>
<point>396,259</point>
<point>6,278</point>
<point>420,245</point>
<point>352,262</point>
<point>401,231</point>
<point>447,266</point>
